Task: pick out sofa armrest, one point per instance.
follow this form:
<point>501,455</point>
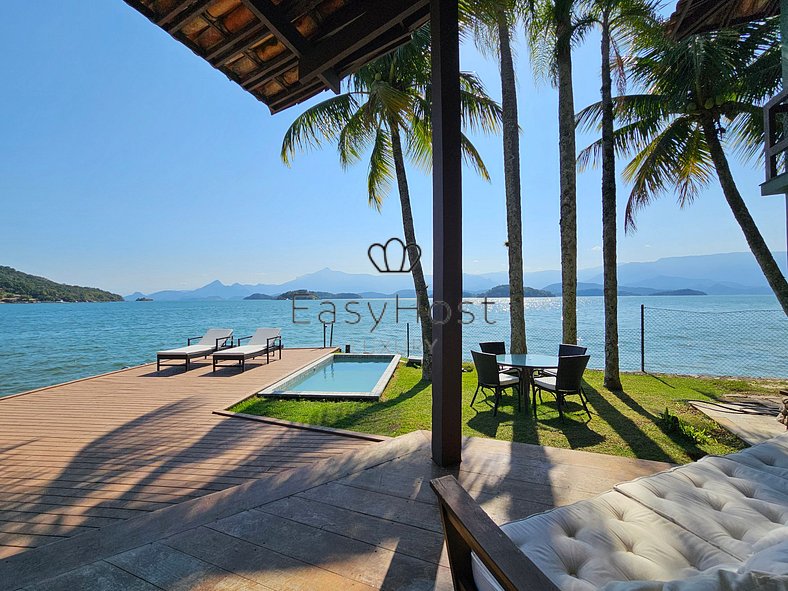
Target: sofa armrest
<point>467,528</point>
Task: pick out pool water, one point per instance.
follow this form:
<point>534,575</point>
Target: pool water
<point>343,375</point>
<point>339,377</point>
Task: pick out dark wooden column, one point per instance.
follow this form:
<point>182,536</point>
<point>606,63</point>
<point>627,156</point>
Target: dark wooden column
<point>447,234</point>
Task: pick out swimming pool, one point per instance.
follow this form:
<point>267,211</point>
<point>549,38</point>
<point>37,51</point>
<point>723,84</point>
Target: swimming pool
<point>341,376</point>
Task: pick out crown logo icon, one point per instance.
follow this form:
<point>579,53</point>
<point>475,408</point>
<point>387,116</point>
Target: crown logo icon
<point>394,256</point>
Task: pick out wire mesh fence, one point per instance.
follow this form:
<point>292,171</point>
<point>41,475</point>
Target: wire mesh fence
<point>660,340</point>
<point>735,342</point>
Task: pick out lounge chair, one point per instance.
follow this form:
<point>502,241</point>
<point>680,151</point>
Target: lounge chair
<point>263,342</point>
<point>212,340</point>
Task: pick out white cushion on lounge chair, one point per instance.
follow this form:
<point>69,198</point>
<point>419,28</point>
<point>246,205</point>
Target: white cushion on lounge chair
<point>261,336</point>
<point>239,352</point>
<point>210,337</point>
<point>609,538</point>
<point>731,513</point>
<point>193,350</point>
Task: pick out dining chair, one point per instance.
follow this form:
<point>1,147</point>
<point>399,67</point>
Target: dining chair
<point>564,350</point>
<point>489,377</point>
<point>494,347</point>
<point>568,381</point>
<point>499,348</point>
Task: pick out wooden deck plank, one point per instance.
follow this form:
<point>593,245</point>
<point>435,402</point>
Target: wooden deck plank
<point>390,534</point>
<point>91,452</point>
<point>339,554</point>
<point>337,524</point>
<point>280,572</point>
<point>167,568</point>
<point>99,576</point>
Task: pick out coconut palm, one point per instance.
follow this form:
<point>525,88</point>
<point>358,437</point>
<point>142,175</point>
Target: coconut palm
<point>704,95</point>
<point>557,26</point>
<point>493,23</point>
<point>385,112</point>
<point>618,21</point>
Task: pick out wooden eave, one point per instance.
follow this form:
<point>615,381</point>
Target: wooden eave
<point>286,51</point>
<point>700,16</point>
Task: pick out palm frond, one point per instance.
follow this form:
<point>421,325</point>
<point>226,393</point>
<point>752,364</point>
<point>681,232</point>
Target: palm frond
<point>318,124</point>
<point>381,167</point>
<point>472,158</point>
<point>667,161</point>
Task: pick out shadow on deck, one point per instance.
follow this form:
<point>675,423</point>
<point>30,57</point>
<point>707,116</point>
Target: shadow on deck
<point>362,520</point>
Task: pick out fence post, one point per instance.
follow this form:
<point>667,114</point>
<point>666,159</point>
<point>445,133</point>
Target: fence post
<point>407,339</point>
<point>642,338</point>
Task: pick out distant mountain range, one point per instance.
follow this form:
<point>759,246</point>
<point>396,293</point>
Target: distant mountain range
<point>718,274</point>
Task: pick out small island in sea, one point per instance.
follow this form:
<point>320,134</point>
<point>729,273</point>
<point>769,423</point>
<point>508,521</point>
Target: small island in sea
<point>20,288</point>
<point>305,294</point>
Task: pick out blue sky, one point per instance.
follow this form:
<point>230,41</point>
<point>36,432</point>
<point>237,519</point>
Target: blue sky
<point>130,164</point>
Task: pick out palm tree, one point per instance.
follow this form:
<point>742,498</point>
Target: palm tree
<point>386,112</point>
<point>618,21</point>
<point>704,93</point>
<point>555,27</point>
<point>493,23</point>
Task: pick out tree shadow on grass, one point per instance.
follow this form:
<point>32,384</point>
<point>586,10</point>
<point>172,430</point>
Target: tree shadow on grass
<point>638,441</point>
<point>660,379</point>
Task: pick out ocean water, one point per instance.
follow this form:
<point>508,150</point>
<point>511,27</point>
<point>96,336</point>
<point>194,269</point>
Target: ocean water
<point>44,344</point>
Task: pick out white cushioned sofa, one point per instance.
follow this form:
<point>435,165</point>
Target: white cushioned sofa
<point>718,524</point>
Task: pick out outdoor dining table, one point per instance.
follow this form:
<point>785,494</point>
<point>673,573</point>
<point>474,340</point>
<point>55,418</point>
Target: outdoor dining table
<point>527,363</point>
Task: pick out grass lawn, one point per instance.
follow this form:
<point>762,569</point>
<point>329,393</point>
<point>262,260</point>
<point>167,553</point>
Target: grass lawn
<point>627,423</point>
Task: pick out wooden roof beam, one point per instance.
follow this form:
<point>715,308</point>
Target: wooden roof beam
<point>285,31</point>
<point>379,16</point>
<point>164,20</point>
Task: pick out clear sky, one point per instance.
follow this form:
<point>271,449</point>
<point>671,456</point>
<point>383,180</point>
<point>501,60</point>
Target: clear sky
<point>129,163</point>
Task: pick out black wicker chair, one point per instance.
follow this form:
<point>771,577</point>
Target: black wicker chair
<point>499,348</point>
<point>568,381</point>
<point>491,378</point>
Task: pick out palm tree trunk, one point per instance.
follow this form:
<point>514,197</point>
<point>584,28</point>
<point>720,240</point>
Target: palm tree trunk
<point>568,173</point>
<point>511,171</point>
<point>422,299</point>
<point>753,236</point>
<point>612,378</point>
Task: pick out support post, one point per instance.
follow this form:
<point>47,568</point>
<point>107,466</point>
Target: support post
<point>642,338</point>
<point>447,234</point>
<point>784,53</point>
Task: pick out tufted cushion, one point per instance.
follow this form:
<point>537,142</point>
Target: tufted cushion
<point>712,580</point>
<point>729,512</point>
<point>770,457</point>
<point>609,538</point>
<point>733,467</point>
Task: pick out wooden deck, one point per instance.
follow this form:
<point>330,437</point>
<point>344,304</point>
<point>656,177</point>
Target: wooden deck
<point>359,521</point>
<point>95,452</point>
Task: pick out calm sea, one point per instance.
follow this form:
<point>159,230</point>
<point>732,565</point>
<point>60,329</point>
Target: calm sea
<point>43,344</point>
